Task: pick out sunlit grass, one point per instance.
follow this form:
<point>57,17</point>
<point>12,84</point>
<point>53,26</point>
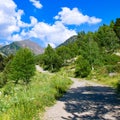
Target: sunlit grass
<point>22,102</point>
<point>68,70</point>
<point>102,77</point>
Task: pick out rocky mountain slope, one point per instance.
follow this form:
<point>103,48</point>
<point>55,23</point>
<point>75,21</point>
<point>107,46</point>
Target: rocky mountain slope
<point>13,47</point>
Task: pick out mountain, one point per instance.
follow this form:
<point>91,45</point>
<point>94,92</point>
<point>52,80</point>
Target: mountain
<point>70,40</point>
<point>13,47</point>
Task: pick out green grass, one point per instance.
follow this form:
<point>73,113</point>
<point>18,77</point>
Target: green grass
<point>27,102</point>
<point>102,76</point>
<point>68,71</point>
<point>99,75</point>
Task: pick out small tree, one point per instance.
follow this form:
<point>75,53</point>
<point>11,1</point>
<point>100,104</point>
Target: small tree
<point>117,27</point>
<point>64,53</point>
<point>22,66</point>
<point>107,39</point>
<point>52,61</point>
<point>82,67</point>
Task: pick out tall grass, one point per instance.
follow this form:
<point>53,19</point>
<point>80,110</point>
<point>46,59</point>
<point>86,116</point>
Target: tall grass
<point>102,76</point>
<point>26,102</point>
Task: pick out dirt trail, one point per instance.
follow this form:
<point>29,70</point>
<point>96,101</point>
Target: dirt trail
<point>85,100</point>
<point>40,69</point>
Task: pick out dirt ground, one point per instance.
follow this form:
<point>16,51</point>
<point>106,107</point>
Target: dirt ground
<point>85,100</point>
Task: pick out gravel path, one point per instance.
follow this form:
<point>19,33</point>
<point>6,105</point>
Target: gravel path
<point>40,69</point>
<point>85,100</point>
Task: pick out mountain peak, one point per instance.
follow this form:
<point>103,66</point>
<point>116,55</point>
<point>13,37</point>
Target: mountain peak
<point>13,47</point>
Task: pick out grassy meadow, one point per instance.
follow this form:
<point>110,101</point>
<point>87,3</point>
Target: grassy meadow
<point>20,102</point>
<point>103,77</point>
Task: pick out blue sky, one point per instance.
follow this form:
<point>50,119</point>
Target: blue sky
<point>53,21</point>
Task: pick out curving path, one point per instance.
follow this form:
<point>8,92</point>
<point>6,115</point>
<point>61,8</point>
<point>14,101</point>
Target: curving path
<point>86,100</point>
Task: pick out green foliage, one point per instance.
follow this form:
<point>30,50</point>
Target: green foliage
<point>4,74</point>
<point>82,67</point>
<point>112,23</point>
<point>73,49</point>
<point>94,47</point>
<point>81,35</point>
<point>8,58</point>
<point>22,67</point>
<point>1,63</point>
<point>117,27</point>
<point>84,48</point>
<point>58,85</point>
<point>101,75</point>
<point>107,39</point>
<point>64,53</point>
<point>52,61</point>
<point>111,59</point>
<point>4,68</point>
<point>90,50</point>
<point>1,80</point>
<point>27,102</point>
<point>39,59</point>
<point>113,68</point>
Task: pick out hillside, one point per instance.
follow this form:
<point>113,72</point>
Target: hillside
<point>69,40</point>
<point>13,47</point>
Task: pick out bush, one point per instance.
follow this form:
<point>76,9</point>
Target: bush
<point>60,85</point>
<point>3,79</point>
<point>82,67</point>
<point>111,59</point>
<point>113,68</point>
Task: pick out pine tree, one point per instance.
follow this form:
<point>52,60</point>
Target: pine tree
<point>52,61</point>
<point>117,27</point>
<point>22,66</point>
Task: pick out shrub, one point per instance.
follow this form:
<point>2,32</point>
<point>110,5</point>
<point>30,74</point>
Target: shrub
<point>113,68</point>
<point>111,59</point>
<point>3,79</point>
<point>82,67</point>
<point>59,84</point>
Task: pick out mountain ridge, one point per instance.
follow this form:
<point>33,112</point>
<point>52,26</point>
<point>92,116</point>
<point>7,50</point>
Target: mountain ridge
<point>68,41</point>
<point>14,46</point>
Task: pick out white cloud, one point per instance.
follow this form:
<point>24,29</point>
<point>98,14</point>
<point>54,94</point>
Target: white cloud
<point>15,37</point>
<point>36,3</point>
<point>12,28</point>
<point>10,18</point>
<point>50,34</point>
<point>75,17</point>
<point>33,20</point>
<point>10,21</point>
